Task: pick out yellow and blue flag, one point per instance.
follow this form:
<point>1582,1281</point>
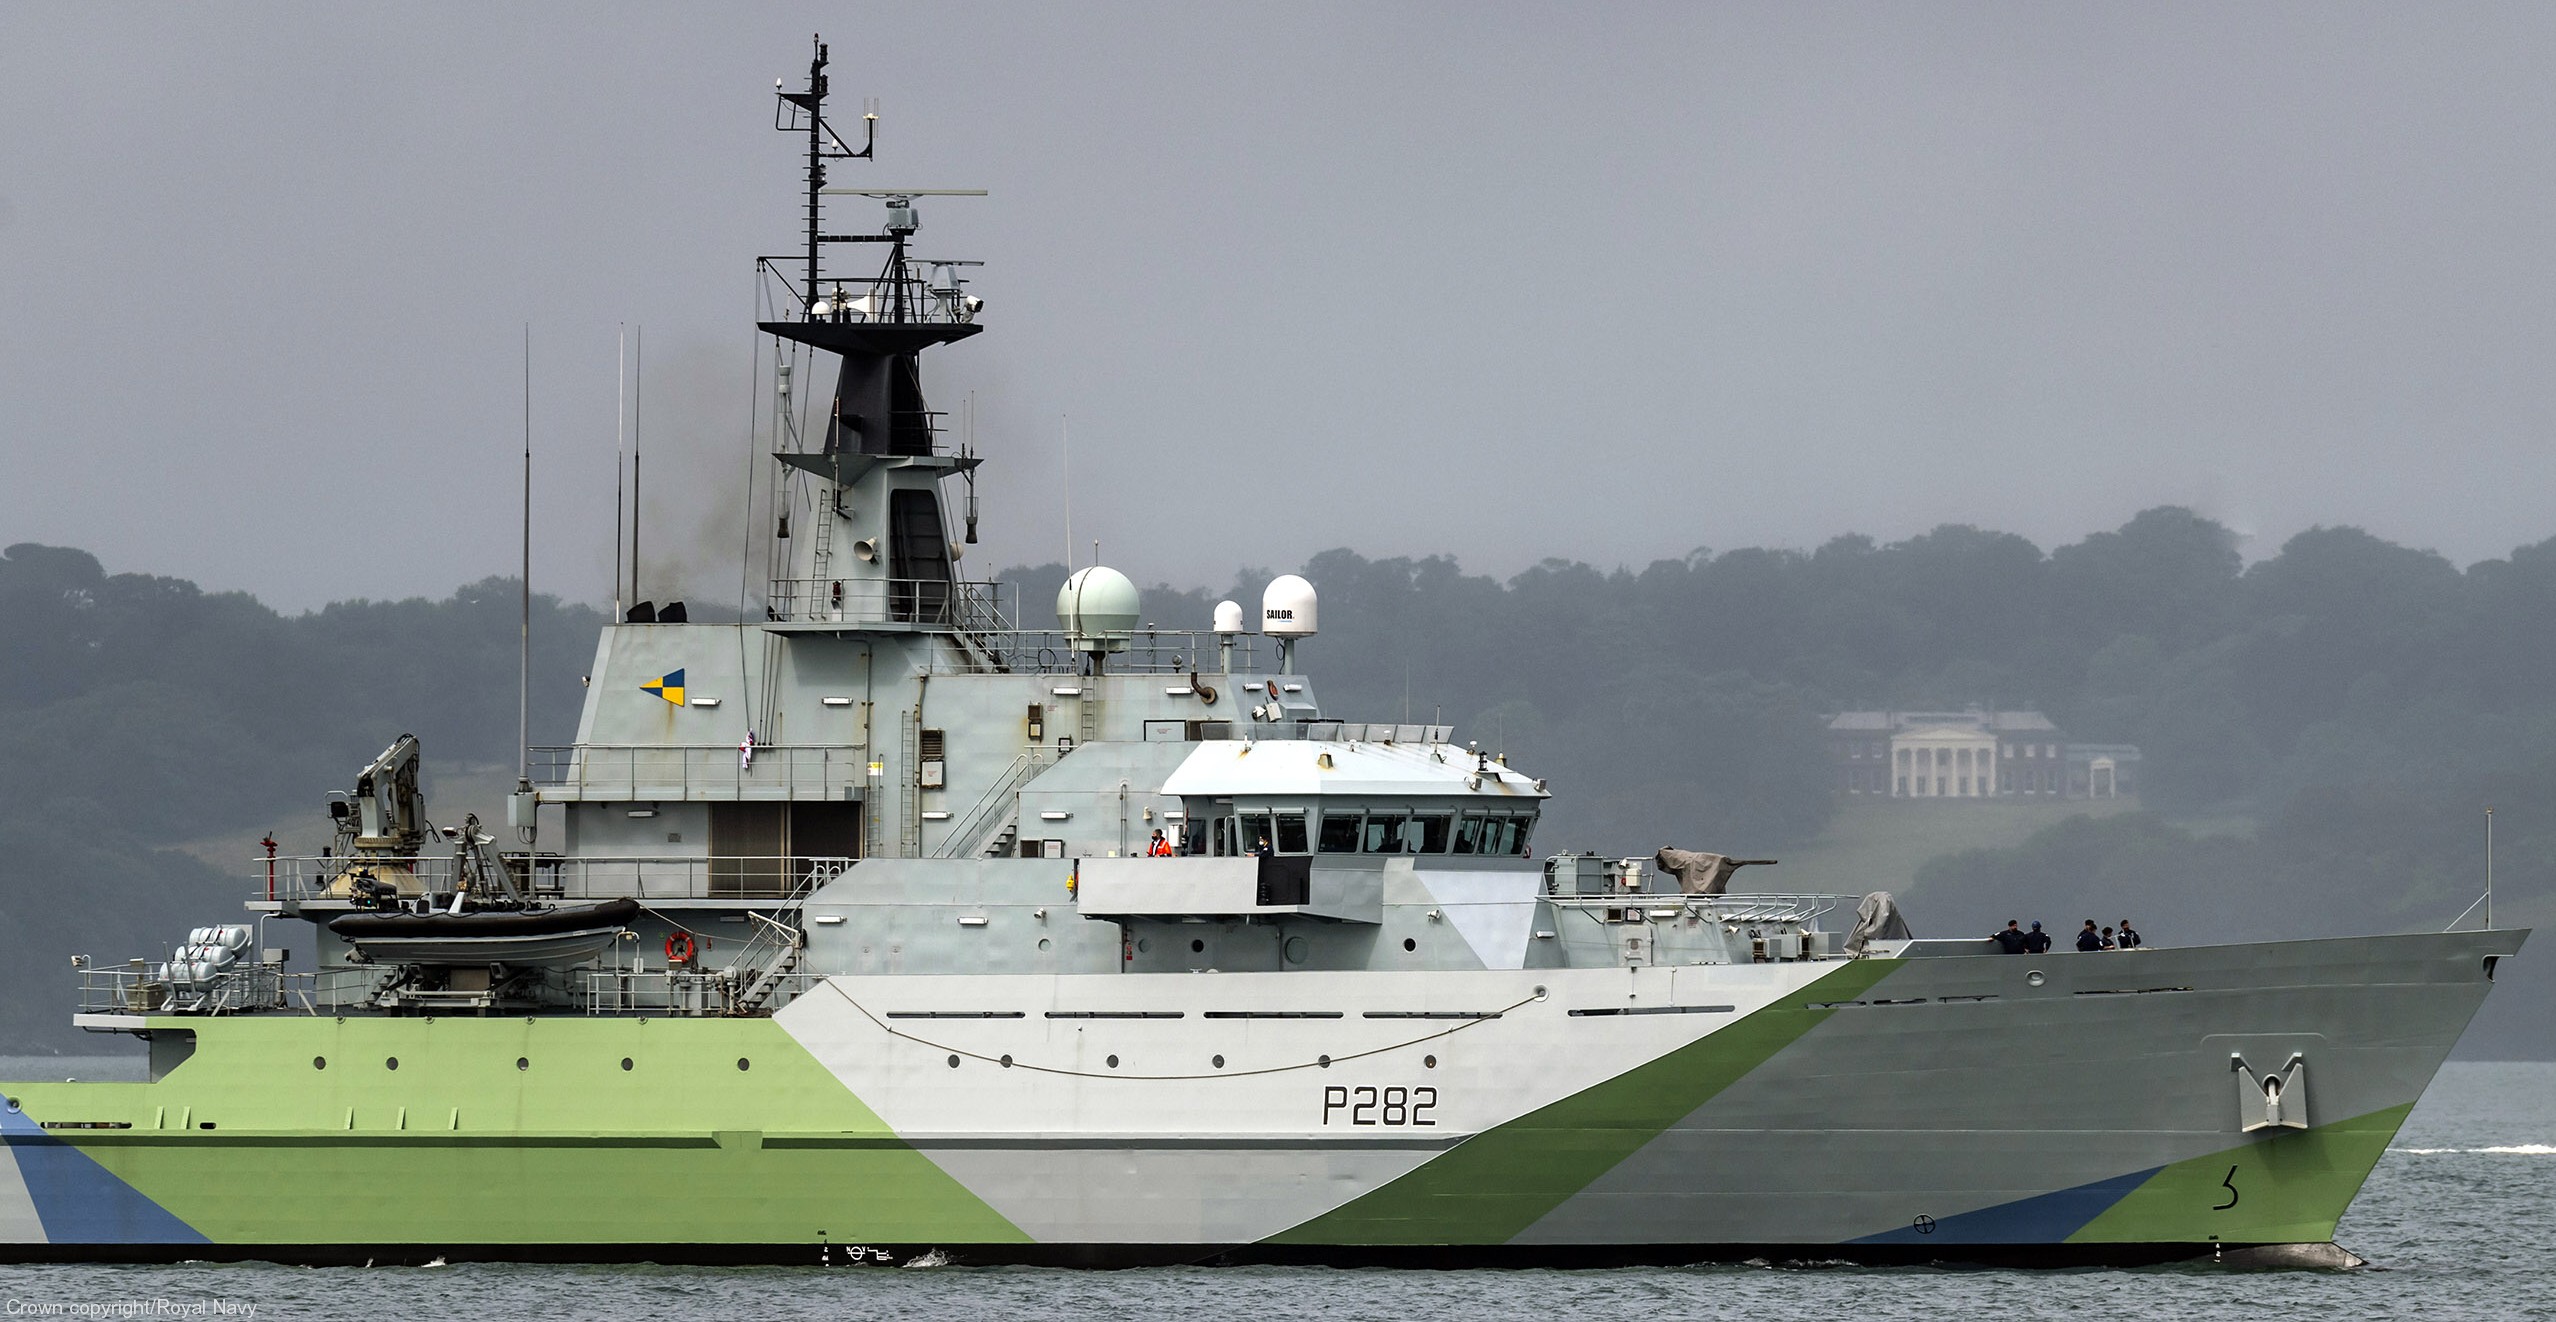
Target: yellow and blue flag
<point>668,686</point>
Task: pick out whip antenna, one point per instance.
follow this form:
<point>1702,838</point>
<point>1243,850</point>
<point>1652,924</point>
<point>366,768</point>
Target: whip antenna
<point>520,805</point>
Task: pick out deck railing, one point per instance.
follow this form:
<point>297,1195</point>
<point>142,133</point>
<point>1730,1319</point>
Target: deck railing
<point>142,987</point>
<point>969,607</point>
<point>698,771</point>
<point>547,877</point>
<point>1790,910</point>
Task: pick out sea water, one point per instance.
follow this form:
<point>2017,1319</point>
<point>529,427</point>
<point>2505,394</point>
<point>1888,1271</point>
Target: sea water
<point>2458,1221</point>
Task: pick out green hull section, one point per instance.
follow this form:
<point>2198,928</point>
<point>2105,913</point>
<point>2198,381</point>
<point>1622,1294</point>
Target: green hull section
<point>719,1131</point>
<point>1493,1186</point>
<point>2289,1188</point>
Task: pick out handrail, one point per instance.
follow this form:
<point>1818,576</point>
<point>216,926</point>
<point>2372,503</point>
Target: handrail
<point>975,607</point>
<point>1759,907</point>
<point>1147,652</point>
<point>969,835</point>
<point>688,771</point>
<point>551,877</point>
<point>882,299</point>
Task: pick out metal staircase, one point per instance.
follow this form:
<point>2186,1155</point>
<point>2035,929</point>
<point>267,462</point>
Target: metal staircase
<point>996,811</point>
<point>751,1000</point>
<point>763,967</point>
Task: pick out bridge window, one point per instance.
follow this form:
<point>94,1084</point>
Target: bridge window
<point>1386,834</point>
<point>1339,832</point>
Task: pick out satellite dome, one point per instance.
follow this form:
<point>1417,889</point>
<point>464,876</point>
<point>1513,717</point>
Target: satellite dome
<point>1229,617</point>
<point>1098,608</point>
<point>1287,608</point>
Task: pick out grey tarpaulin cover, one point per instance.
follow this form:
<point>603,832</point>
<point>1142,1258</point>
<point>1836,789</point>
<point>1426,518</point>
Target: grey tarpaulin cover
<point>1703,874</point>
<point>1697,873</point>
<point>1876,919</point>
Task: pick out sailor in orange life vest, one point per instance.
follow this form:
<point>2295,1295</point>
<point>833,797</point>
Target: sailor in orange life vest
<point>1160,848</point>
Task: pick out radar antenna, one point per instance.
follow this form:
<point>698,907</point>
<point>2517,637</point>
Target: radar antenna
<point>895,296</point>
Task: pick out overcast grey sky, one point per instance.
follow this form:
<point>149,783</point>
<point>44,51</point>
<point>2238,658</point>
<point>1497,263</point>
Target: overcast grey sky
<point>1607,282</point>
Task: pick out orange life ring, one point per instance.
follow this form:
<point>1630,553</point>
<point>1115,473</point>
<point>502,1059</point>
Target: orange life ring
<point>679,948</point>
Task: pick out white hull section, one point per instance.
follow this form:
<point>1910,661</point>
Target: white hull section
<point>1137,1134</point>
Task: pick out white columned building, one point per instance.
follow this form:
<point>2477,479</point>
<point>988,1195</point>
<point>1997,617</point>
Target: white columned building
<point>1943,762</point>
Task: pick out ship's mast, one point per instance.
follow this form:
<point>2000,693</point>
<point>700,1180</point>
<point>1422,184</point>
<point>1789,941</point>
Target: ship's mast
<point>875,549</point>
<point>823,145</point>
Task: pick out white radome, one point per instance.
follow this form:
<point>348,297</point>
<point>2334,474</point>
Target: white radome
<point>1229,618</point>
<point>1098,607</point>
<point>1287,608</point>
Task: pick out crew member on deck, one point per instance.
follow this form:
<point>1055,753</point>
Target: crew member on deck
<point>2089,939</point>
<point>2011,940</point>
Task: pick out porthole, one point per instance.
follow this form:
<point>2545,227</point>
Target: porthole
<point>744,1064</point>
<point>523,1062</point>
<point>1113,1062</point>
<point>2035,978</point>
<point>1218,1062</point>
<point>1409,944</point>
<point>1297,949</point>
<point>13,1106</point>
<point>1042,943</point>
<point>1197,947</point>
<point>1007,1062</point>
<point>1324,1061</point>
<point>953,1062</point>
<point>1428,1062</point>
<point>319,1062</point>
<point>1144,944</point>
<point>391,1064</point>
<point>625,1064</point>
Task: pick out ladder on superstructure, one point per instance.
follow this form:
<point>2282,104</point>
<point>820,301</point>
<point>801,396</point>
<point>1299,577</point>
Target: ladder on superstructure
<point>820,559</point>
<point>909,817</point>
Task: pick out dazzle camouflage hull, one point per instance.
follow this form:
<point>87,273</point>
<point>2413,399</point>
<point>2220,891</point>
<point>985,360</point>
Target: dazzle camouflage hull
<point>1882,1109</point>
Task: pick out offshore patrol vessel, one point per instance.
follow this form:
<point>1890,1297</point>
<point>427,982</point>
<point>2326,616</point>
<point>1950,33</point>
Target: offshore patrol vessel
<point>839,936</point>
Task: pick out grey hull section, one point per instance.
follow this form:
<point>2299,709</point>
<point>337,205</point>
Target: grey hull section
<point>1980,1100</point>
